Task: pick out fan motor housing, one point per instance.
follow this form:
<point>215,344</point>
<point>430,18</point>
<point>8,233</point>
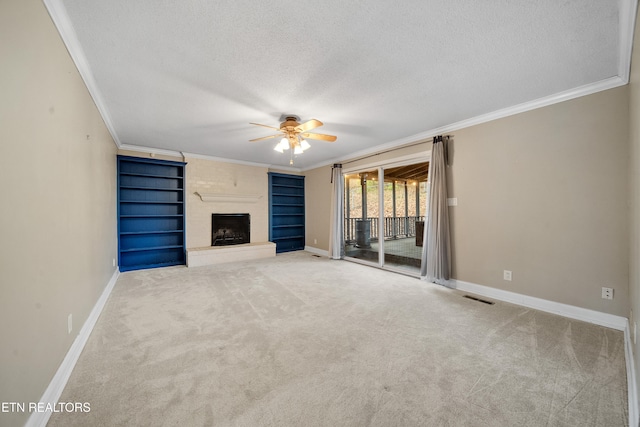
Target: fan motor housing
<point>284,117</point>
<point>289,121</point>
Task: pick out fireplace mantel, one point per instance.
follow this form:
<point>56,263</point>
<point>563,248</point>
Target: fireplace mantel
<point>229,198</point>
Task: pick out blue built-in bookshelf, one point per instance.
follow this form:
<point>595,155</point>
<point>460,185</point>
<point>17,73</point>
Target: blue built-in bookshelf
<point>286,211</point>
<point>151,221</point>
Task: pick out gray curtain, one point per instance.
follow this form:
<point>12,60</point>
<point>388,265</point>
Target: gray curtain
<point>436,250</point>
<point>336,249</point>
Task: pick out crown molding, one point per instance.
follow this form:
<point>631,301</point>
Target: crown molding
<point>284,168</point>
<point>60,18</point>
<point>240,162</point>
<point>150,150</point>
<point>223,160</point>
<point>425,136</point>
<point>184,155</point>
<point>627,21</point>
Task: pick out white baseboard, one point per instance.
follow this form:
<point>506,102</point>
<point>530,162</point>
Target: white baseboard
<point>59,381</point>
<point>316,251</point>
<point>603,319</point>
<point>632,384</point>
<point>566,310</point>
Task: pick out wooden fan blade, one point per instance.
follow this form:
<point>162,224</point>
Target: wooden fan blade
<point>311,124</point>
<point>265,137</point>
<point>328,138</point>
<point>265,126</point>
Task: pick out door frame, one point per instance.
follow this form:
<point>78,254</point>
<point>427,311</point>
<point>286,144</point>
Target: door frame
<point>381,165</point>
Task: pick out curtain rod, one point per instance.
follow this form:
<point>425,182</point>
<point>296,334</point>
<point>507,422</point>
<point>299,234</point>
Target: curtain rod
<point>388,151</point>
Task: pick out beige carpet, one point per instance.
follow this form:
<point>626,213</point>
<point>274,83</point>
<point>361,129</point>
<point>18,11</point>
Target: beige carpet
<point>305,341</point>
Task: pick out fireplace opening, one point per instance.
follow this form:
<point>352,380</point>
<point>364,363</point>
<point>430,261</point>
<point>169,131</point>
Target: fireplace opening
<point>230,229</point>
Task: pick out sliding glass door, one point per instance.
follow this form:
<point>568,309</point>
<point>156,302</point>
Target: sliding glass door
<point>405,205</point>
<point>384,215</point>
<point>361,213</point>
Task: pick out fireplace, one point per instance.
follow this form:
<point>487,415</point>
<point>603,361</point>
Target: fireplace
<point>230,229</point>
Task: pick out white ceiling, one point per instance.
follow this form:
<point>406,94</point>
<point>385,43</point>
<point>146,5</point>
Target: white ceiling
<point>189,76</point>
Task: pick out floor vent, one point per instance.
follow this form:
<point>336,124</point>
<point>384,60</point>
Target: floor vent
<point>478,299</point>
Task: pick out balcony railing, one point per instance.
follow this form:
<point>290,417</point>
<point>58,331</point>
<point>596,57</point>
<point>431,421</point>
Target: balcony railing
<point>394,227</point>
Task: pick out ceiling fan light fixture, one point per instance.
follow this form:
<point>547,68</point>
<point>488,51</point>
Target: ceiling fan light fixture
<point>293,133</point>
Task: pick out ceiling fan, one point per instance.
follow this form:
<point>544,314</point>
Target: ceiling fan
<point>294,135</point>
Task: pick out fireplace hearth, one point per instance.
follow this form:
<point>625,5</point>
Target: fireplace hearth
<point>230,229</point>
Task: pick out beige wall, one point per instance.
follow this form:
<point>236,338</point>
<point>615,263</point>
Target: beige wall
<point>317,202</point>
<point>416,149</point>
<point>58,209</point>
<point>634,192</point>
<point>543,194</point>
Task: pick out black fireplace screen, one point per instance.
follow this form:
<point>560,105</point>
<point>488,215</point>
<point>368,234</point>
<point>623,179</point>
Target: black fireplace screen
<point>230,229</point>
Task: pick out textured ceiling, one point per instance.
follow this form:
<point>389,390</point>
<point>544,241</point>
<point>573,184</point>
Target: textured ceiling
<point>189,76</point>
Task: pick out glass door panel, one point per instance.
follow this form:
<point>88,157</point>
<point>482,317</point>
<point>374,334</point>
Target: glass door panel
<point>361,216</point>
<point>384,216</point>
<point>405,205</point>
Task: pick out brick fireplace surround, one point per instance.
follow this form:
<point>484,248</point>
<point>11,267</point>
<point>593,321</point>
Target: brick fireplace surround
<point>220,187</point>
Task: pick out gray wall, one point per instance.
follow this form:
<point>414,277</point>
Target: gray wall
<point>58,203</point>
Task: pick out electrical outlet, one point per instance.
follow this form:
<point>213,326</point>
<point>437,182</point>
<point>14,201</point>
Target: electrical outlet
<point>315,241</point>
<point>507,275</point>
<point>607,293</point>
<point>113,262</point>
<point>70,322</point>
